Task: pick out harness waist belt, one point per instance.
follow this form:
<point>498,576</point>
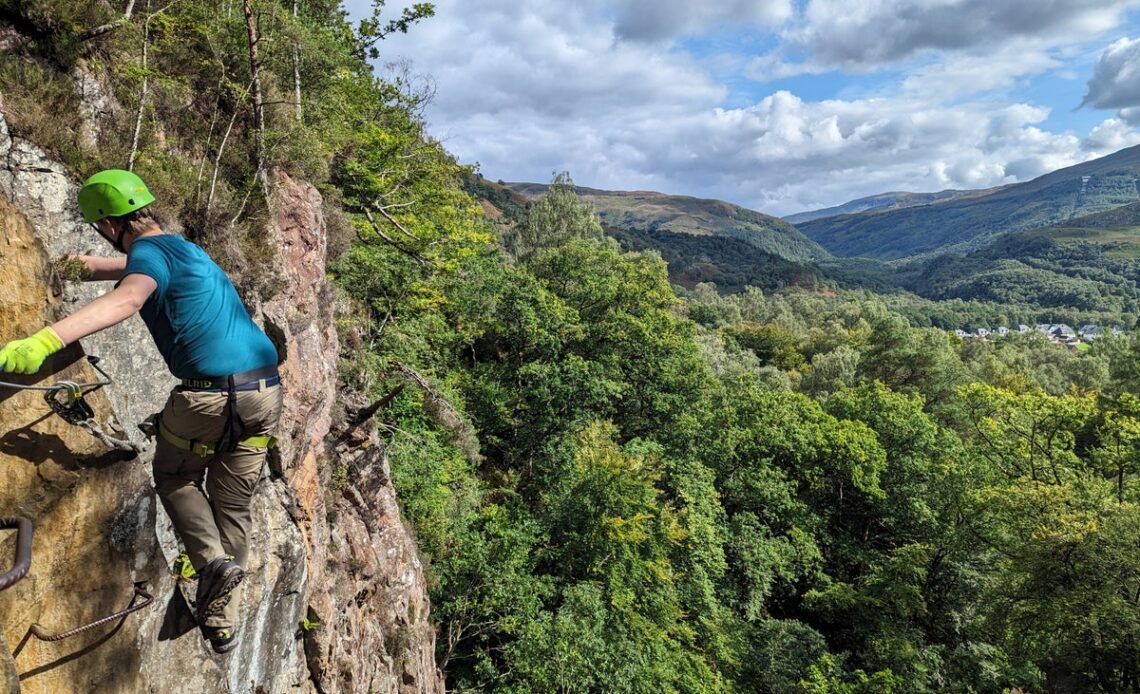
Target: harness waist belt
<point>205,450</point>
<point>246,380</point>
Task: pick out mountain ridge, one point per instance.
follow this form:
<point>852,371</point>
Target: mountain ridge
<point>887,201</point>
<point>965,224</point>
<point>640,211</point>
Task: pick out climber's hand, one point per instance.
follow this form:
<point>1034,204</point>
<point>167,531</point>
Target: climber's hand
<point>27,356</point>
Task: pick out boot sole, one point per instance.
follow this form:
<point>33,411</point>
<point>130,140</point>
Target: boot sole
<point>224,592</point>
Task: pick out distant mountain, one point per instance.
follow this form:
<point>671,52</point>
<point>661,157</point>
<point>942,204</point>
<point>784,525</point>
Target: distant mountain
<point>643,211</point>
<point>886,201</point>
<point>966,223</point>
<point>1091,263</point>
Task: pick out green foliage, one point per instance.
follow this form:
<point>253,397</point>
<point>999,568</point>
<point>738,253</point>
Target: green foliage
<point>41,105</point>
<point>374,28</point>
<point>554,220</point>
<point>308,624</point>
<point>730,263</point>
<point>620,486</point>
<point>654,212</point>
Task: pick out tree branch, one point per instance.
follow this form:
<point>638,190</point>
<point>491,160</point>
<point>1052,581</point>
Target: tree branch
<point>400,227</point>
<point>367,413</point>
<point>110,26</point>
<point>390,241</point>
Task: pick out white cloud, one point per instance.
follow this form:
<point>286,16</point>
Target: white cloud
<point>785,154</point>
<point>1110,136</point>
<point>1116,81</point>
<point>955,76</point>
<point>547,60</point>
<point>529,88</point>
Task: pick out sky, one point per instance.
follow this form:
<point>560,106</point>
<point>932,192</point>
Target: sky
<point>781,106</point>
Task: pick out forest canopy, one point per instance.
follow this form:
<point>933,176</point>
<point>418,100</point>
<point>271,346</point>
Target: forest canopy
<point>619,483</point>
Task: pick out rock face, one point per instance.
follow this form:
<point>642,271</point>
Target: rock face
<point>334,554</point>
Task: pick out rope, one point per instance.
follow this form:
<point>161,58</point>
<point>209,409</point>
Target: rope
<point>110,441</point>
<point>59,385</point>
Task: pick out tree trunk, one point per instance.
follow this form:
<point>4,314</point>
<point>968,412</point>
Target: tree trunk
<point>258,99</point>
<point>145,87</point>
<point>297,65</point>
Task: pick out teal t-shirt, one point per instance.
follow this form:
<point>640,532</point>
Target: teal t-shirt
<point>197,320</point>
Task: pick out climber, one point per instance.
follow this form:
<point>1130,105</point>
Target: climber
<point>215,430</point>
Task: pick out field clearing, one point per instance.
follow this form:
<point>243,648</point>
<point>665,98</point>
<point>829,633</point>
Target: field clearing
<point>1117,243</point>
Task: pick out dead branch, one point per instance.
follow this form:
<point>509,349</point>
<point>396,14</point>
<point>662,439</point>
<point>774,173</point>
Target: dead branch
<point>110,26</point>
<point>209,138</point>
<point>400,227</point>
<point>241,210</point>
<point>221,151</point>
<point>297,67</point>
<point>390,241</point>
<point>218,161</point>
<point>367,413</point>
<point>445,414</point>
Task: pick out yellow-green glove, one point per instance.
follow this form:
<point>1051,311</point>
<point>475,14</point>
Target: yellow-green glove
<point>27,356</point>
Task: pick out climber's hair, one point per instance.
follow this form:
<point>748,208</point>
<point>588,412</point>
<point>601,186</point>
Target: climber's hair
<point>138,221</point>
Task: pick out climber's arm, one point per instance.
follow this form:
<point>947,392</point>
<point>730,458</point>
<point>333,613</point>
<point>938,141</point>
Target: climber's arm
<point>111,308</point>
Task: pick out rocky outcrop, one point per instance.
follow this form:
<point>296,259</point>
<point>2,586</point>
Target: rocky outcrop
<point>338,556</point>
<point>369,594</point>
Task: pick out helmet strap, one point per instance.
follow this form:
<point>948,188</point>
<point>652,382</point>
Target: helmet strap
<point>116,243</point>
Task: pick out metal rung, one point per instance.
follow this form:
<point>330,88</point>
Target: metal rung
<point>23,528</point>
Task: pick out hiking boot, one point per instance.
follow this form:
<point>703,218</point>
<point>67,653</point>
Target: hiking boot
<point>222,639</point>
<point>216,583</point>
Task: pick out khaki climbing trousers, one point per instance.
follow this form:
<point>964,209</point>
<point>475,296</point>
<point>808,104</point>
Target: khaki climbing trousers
<point>208,498</point>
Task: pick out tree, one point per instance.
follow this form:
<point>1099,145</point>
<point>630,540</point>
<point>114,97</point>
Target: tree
<point>555,219</point>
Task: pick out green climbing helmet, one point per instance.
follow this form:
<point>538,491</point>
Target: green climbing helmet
<point>112,193</point>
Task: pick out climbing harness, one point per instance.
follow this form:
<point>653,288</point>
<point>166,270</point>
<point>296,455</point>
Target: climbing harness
<point>233,431</point>
<point>68,400</point>
<point>205,450</point>
<point>23,528</point>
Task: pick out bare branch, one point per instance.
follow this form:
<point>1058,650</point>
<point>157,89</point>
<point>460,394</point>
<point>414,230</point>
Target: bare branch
<point>218,161</point>
<point>241,209</point>
<point>390,241</point>
<point>400,227</point>
<point>110,26</point>
<point>209,139</point>
<point>375,407</point>
<point>297,68</point>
